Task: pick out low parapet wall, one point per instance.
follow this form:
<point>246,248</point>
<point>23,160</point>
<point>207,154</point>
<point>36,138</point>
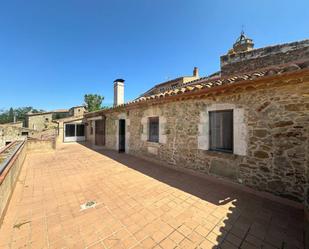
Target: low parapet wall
<point>8,177</point>
<point>12,167</point>
<point>41,145</point>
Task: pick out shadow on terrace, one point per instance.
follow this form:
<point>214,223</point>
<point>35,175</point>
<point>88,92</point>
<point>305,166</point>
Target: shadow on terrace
<point>228,217</point>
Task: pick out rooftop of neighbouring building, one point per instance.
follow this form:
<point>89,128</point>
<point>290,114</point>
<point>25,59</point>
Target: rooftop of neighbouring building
<point>217,82</point>
<point>172,83</point>
<point>242,59</point>
<point>45,113</point>
<point>55,111</point>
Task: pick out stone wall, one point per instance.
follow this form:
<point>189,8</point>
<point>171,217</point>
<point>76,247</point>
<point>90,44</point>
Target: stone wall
<point>274,121</point>
<point>90,136</point>
<point>10,134</point>
<point>264,57</point>
<point>77,111</point>
<point>41,145</point>
<point>40,122</point>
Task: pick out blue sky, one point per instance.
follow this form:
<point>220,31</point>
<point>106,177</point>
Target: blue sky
<point>52,52</point>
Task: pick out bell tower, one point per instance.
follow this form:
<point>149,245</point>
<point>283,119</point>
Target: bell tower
<point>242,44</point>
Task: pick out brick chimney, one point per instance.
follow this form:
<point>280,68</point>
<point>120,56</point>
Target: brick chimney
<point>195,72</point>
<point>118,92</point>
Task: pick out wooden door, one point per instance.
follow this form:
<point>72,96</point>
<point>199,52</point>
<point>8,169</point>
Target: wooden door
<point>122,135</point>
<point>100,132</point>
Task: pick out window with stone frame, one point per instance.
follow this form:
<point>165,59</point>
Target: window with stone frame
<point>153,124</point>
<point>221,131</point>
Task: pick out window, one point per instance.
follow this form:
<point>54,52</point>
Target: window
<point>153,129</point>
<point>221,130</point>
<point>24,133</point>
<point>80,130</point>
<point>70,130</point>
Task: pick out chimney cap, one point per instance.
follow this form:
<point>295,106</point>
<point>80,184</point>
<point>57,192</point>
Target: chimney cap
<point>119,80</point>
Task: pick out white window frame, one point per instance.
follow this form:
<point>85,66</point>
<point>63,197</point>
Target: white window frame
<point>74,138</point>
<point>240,129</point>
<point>145,129</point>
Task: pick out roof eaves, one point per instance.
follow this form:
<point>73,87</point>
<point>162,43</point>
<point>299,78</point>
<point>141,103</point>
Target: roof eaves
<point>206,84</point>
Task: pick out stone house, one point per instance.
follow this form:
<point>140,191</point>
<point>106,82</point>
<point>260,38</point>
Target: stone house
<point>248,124</point>
<point>14,131</point>
<point>44,120</point>
<point>72,127</point>
<point>77,111</point>
<point>172,83</point>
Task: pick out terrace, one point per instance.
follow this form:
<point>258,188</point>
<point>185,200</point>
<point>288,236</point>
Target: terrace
<point>75,197</point>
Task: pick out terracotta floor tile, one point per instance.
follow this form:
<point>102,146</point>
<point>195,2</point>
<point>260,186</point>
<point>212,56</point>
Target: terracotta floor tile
<point>148,243</point>
<point>206,244</point>
<point>139,205</point>
<point>177,237</point>
<point>202,231</point>
<point>195,237</point>
<point>168,244</point>
<point>158,236</point>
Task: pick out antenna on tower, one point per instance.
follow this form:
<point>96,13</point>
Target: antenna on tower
<point>242,29</point>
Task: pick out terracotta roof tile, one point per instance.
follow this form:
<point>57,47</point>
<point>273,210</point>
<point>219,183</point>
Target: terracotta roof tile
<point>206,82</point>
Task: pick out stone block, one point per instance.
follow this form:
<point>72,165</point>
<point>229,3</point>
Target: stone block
<point>261,154</point>
<point>223,168</point>
<point>152,150</point>
<point>260,133</point>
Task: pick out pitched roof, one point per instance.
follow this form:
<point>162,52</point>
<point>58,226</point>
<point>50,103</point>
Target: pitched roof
<point>61,110</point>
<point>67,119</point>
<point>206,83</point>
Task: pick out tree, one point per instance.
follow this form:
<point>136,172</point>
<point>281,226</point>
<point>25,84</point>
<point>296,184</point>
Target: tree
<point>21,112</point>
<point>11,115</point>
<point>93,102</point>
<point>7,116</point>
<point>4,117</point>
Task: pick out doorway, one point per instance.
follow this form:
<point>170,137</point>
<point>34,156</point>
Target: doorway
<point>122,136</point>
<point>100,132</point>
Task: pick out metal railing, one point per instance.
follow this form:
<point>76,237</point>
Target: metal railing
<point>8,153</point>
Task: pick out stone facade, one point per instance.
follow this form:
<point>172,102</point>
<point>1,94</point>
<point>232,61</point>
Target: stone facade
<point>44,121</point>
<point>264,57</point>
<point>40,121</point>
<point>272,134</point>
<point>77,111</point>
<point>60,130</point>
<point>10,133</point>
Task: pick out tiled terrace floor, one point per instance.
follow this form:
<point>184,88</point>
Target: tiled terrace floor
<point>140,205</point>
